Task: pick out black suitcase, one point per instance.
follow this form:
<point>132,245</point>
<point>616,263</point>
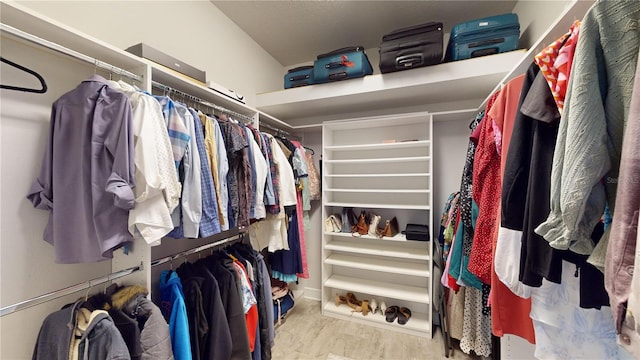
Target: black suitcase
<point>412,47</point>
<point>300,76</point>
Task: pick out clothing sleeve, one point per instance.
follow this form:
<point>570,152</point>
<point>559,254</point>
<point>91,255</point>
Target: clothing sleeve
<point>619,264</point>
<point>119,144</point>
<point>192,193</point>
<point>581,158</point>
<point>41,191</point>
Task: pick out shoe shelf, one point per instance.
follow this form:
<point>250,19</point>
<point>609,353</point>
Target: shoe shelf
<point>381,164</point>
<point>379,160</point>
<point>380,146</point>
<point>418,324</point>
<point>398,191</point>
<point>377,264</point>
<point>378,206</point>
<point>378,288</point>
<point>385,247</point>
<point>377,175</point>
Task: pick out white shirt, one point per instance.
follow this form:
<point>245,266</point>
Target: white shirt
<point>157,188</point>
<point>287,188</point>
<point>261,169</point>
<point>223,170</point>
<point>192,184</point>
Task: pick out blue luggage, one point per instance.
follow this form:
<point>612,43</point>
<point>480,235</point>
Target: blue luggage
<point>486,36</point>
<point>300,76</point>
<point>341,64</point>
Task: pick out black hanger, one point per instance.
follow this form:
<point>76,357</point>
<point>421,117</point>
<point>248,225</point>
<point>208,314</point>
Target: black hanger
<point>40,78</point>
<point>310,149</point>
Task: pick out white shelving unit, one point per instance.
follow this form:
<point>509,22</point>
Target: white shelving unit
<point>383,165</point>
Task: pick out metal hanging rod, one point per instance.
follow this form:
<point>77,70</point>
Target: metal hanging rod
<point>246,118</point>
<point>67,291</point>
<point>63,50</point>
<point>196,250</point>
<point>279,131</point>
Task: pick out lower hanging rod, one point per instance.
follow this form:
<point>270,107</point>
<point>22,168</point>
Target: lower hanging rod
<point>67,291</point>
<point>196,250</point>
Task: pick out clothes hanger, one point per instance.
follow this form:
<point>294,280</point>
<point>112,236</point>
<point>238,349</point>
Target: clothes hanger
<point>18,88</point>
<point>310,150</point>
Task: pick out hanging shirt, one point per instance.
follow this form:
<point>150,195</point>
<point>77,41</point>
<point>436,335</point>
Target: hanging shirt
<point>212,157</point>
<point>157,188</point>
<point>271,196</point>
<point>189,213</point>
<point>261,170</point>
<point>287,186</point>
<point>87,175</point>
<point>223,171</point>
<point>209,224</point>
<point>176,127</point>
<point>589,140</point>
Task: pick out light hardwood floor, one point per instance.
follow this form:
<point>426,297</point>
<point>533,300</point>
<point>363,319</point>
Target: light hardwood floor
<point>307,335</point>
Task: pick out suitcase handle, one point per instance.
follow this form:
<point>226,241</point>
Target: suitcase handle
<point>299,77</point>
<point>338,76</point>
<point>409,61</point>
<point>344,61</point>
<point>485,52</point>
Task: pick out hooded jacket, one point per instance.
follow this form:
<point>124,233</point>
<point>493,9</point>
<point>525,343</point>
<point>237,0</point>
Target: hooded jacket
<point>96,337</point>
<point>153,339</point>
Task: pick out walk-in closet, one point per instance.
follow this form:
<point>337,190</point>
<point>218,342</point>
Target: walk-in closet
<point>164,196</point>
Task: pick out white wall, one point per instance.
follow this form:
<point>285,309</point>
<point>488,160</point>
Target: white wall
<point>195,32</point>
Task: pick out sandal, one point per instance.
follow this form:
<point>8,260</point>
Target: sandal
<point>339,300</point>
<point>404,314</point>
<point>391,313</point>
<point>354,303</point>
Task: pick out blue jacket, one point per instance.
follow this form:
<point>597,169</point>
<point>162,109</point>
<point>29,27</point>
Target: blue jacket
<point>174,310</point>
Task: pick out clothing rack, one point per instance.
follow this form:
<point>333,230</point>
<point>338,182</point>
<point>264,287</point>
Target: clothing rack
<point>66,51</point>
<point>279,132</point>
<point>196,250</point>
<point>68,290</point>
<point>247,119</point>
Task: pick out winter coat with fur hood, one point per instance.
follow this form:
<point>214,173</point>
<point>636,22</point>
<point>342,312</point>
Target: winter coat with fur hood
<point>153,341</point>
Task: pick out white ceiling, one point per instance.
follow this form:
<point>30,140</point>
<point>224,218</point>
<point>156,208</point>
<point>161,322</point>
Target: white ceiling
<point>295,31</point>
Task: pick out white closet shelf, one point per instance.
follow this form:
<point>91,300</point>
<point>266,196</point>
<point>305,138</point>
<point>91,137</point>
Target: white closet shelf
<point>379,206</point>
<point>418,324</point>
<point>453,83</point>
<point>378,264</point>
<point>377,175</point>
<point>381,146</point>
<point>383,191</point>
<point>377,288</point>
<point>379,160</point>
<point>383,247</point>
<point>193,87</point>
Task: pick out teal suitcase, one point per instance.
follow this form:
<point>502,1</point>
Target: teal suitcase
<point>346,63</point>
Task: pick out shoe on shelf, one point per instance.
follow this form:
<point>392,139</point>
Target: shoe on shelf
<point>383,307</point>
<point>374,306</point>
<point>339,300</point>
<point>354,303</point>
<point>391,313</point>
<point>404,314</point>
<point>365,307</point>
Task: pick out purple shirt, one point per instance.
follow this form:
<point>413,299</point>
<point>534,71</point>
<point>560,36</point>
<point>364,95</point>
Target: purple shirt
<point>86,177</point>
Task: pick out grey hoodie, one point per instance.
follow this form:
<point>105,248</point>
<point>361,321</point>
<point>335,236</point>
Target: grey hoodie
<point>100,340</point>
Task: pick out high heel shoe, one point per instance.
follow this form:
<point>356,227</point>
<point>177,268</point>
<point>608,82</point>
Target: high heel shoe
<point>383,307</point>
<point>374,306</point>
<point>339,300</point>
